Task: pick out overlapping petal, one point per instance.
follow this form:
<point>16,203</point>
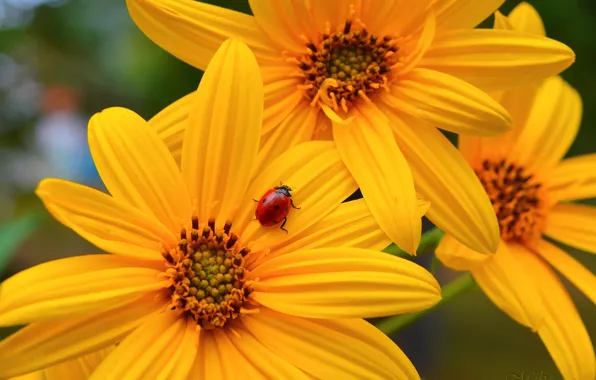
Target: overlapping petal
<point>278,20</point>
<point>448,103</point>
<point>77,369</point>
<point>163,347</point>
<point>74,286</point>
<point>575,272</point>
<point>574,225</point>
<point>573,178</point>
<point>464,14</point>
<point>505,281</point>
<point>457,256</point>
<point>476,56</point>
<point>369,150</point>
<point>296,128</point>
<point>525,18</point>
<point>320,181</point>
<point>222,138</point>
<point>329,348</point>
<point>43,344</point>
<point>193,31</point>
<point>343,282</point>
<point>458,203</point>
<point>267,362</point>
<point>171,122</point>
<point>349,225</point>
<point>562,331</point>
<point>110,224</point>
<point>551,126</point>
<point>399,18</point>
<point>136,166</point>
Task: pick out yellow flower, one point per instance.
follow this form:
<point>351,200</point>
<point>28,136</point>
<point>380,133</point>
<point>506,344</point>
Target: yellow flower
<point>377,77</point>
<point>530,187</point>
<point>194,287</point>
<point>80,368</point>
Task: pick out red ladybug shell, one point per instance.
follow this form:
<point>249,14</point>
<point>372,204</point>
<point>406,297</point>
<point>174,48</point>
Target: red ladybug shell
<point>274,206</point>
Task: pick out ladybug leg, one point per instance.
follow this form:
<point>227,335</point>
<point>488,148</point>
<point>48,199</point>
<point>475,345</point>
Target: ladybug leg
<point>283,224</point>
<point>255,200</point>
<point>292,203</point>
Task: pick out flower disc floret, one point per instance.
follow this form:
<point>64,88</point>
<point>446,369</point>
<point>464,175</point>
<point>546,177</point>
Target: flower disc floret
<point>208,274</point>
<point>344,66</point>
<point>517,198</point>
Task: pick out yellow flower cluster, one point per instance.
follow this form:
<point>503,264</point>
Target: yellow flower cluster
<point>327,97</point>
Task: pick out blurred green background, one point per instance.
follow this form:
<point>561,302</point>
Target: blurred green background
<point>63,60</point>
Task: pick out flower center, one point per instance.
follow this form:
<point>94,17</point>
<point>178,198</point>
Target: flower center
<point>518,200</point>
<point>344,66</point>
<point>208,274</point>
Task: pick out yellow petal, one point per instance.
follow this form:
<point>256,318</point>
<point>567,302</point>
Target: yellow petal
<point>343,283</point>
<point>575,272</point>
<point>279,21</point>
<point>518,102</point>
<point>193,31</point>
<point>349,225</point>
<point>136,166</point>
<point>514,290</point>
<point>448,103</point>
<point>78,369</point>
<point>217,358</point>
<point>320,182</point>
<point>458,203</point>
<point>368,148</point>
<point>573,178</point>
<point>562,330</point>
<point>162,348</point>
<point>551,127</point>
<point>76,285</point>
<point>108,223</point>
<point>43,344</point>
<point>296,128</point>
<point>458,14</point>
<point>476,56</point>
<point>170,124</point>
<point>573,225</point>
<point>268,362</point>
<point>501,22</point>
<point>525,18</point>
<point>232,364</point>
<point>222,139</point>
<point>330,349</point>
<point>38,375</point>
<point>457,256</point>
<point>399,18</point>
<point>282,96</point>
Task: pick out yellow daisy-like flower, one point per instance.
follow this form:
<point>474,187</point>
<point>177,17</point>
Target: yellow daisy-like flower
<point>530,186</point>
<point>194,287</point>
<point>80,368</point>
<point>377,77</point>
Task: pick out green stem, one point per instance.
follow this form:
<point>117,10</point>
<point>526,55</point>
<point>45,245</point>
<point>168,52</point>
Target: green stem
<point>428,241</point>
<point>456,287</point>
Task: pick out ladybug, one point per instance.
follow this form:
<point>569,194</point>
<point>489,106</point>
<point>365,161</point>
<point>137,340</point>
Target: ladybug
<point>274,206</point>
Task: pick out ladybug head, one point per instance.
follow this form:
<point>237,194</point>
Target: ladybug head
<point>285,190</point>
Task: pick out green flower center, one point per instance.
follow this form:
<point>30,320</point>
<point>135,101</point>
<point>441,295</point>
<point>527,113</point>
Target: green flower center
<point>359,62</point>
<point>517,198</point>
<point>208,275</point>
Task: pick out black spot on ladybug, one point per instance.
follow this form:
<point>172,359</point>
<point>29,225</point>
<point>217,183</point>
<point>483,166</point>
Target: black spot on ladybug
<point>276,221</point>
<point>264,200</point>
<point>276,207</point>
